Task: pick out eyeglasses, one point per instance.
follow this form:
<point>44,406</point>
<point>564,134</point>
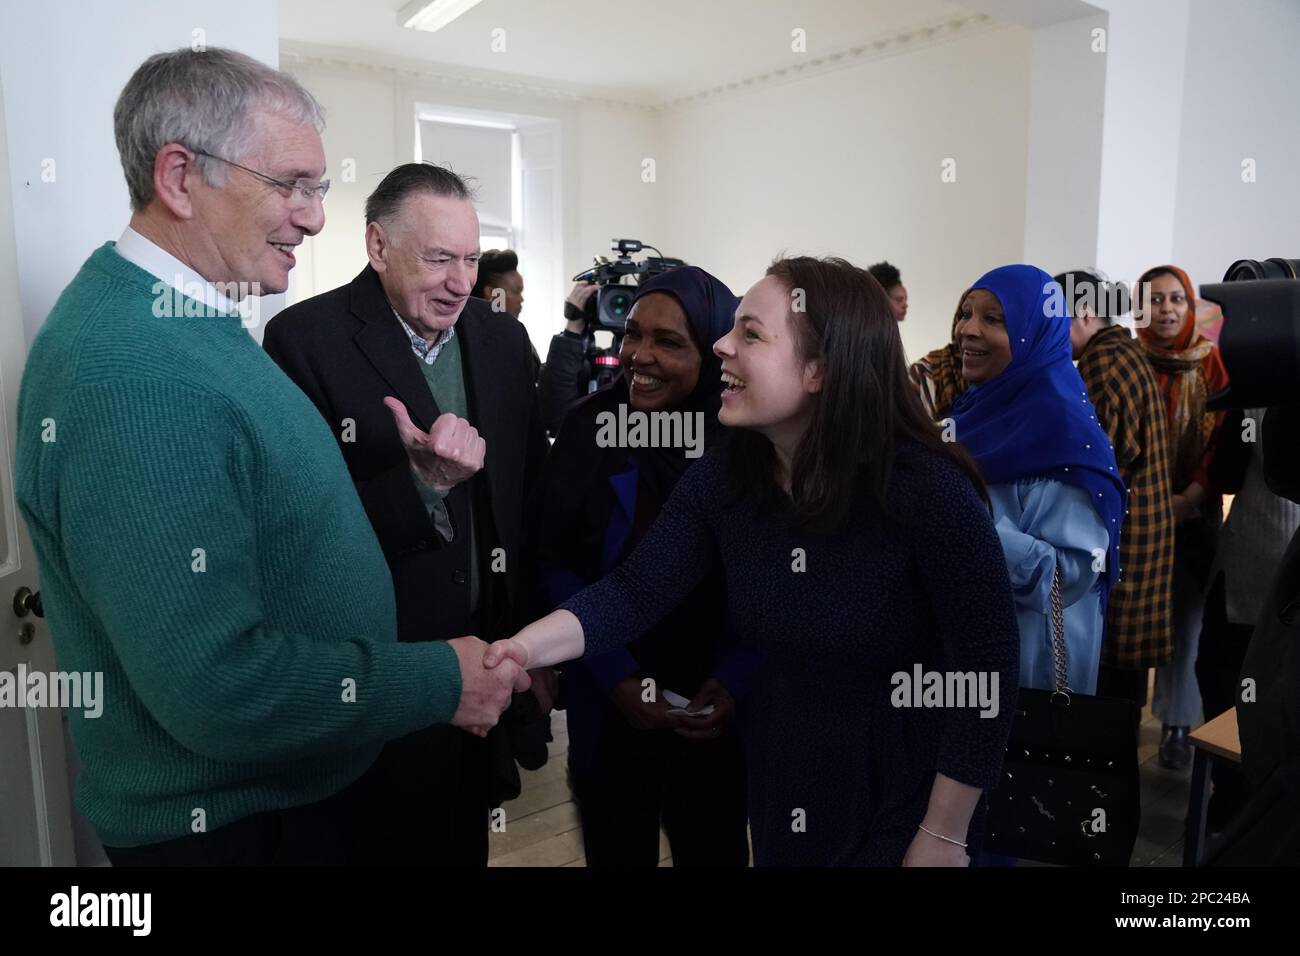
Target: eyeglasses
<point>301,190</point>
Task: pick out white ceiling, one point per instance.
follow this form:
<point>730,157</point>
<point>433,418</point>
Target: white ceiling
<point>657,50</point>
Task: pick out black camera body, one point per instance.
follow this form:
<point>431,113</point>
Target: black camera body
<point>1260,338</point>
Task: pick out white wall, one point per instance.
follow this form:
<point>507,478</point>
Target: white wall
<point>849,162</point>
<point>360,140</point>
<point>1142,133</point>
<point>1239,103</point>
<point>1194,88</point>
<point>63,64</point>
<point>614,202</point>
<point>1066,113</point>
<point>370,119</point>
<point>844,163</point>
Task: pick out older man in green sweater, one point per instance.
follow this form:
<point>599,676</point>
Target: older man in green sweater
<point>200,541</point>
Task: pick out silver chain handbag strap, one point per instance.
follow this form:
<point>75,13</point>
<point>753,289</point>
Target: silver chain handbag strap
<point>1062,692</point>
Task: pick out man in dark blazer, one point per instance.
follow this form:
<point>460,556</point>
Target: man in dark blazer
<point>402,356</point>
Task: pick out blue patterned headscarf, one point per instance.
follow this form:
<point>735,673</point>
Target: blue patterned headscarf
<point>1035,419</point>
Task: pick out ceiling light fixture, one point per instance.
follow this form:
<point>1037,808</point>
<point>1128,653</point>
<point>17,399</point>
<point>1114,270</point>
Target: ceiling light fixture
<point>432,16</point>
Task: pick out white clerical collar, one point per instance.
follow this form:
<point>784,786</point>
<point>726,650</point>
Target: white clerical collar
<point>162,265</point>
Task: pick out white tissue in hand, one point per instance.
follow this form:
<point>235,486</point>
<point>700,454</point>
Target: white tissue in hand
<point>680,704</point>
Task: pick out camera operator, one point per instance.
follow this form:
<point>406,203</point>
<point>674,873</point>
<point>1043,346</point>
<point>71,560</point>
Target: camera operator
<point>563,379</point>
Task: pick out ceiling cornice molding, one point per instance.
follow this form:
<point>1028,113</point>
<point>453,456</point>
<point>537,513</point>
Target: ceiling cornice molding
<point>896,42</point>
<point>297,52</point>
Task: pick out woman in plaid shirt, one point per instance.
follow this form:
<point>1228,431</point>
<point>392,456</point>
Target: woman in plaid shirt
<point>1131,411</point>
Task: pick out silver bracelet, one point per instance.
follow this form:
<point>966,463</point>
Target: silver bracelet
<point>940,836</point>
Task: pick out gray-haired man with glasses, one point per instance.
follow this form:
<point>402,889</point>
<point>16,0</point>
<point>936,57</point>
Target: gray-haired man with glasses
<point>200,540</point>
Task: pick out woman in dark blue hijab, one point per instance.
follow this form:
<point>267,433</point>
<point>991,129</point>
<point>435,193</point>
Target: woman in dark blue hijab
<point>1058,501</point>
<point>634,764</point>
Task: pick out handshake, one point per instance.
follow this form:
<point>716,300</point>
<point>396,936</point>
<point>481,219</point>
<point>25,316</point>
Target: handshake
<point>490,674</point>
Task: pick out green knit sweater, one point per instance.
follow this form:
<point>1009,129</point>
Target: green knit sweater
<point>201,544</point>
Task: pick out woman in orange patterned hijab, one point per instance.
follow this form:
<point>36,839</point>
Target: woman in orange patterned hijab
<point>1189,369</point>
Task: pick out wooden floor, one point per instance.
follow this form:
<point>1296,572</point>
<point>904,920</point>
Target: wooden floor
<point>1164,803</point>
<point>542,825</point>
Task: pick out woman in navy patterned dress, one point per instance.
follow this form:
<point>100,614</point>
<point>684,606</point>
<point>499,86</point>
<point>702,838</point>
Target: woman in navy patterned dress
<point>859,554</point>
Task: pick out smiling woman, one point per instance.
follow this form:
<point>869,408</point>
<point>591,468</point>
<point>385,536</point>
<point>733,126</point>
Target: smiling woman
<point>660,356</point>
<point>1058,502</point>
<point>830,465</point>
<point>982,336</point>
<point>634,759</point>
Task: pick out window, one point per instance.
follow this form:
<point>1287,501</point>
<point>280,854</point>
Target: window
<point>512,162</point>
<point>485,155</point>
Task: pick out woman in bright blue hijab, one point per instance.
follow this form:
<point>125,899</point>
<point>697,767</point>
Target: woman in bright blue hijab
<point>1057,498</point>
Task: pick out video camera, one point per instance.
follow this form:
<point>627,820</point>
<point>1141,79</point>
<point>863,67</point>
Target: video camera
<point>609,307</point>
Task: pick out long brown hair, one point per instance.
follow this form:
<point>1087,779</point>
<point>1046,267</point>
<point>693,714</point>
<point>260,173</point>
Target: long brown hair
<point>866,403</point>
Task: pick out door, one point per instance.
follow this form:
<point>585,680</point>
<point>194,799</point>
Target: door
<point>35,815</point>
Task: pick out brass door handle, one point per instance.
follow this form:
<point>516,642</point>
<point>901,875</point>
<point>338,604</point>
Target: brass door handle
<point>27,601</point>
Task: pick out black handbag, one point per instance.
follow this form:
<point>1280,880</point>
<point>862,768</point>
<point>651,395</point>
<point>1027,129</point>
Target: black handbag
<point>1069,792</point>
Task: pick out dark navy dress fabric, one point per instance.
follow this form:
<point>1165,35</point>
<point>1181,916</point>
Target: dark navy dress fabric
<point>838,775</point>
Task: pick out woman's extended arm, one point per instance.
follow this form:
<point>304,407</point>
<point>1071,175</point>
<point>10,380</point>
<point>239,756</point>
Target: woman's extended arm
<point>675,554</point>
<point>551,640</point>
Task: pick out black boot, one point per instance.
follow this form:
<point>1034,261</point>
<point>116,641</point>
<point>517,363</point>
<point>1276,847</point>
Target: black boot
<point>1175,750</point>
